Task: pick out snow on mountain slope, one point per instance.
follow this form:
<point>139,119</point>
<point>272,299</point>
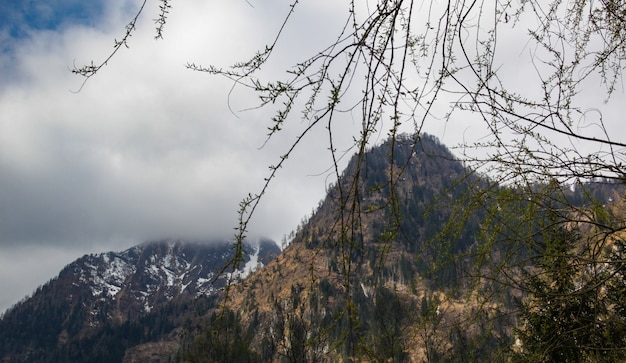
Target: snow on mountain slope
<point>116,286</point>
<point>154,273</point>
<point>99,293</point>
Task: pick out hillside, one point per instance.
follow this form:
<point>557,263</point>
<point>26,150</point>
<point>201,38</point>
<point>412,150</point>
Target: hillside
<point>350,281</point>
<point>392,266</point>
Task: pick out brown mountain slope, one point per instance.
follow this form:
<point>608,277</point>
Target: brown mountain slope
<point>391,267</point>
<point>349,285</point>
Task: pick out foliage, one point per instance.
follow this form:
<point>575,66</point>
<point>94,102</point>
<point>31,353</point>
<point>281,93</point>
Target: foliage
<point>388,331</point>
<point>225,340</point>
<point>573,312</point>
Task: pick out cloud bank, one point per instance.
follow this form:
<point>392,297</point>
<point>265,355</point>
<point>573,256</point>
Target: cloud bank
<point>147,149</point>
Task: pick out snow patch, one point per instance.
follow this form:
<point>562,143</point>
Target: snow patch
<point>252,264</point>
<point>109,279</point>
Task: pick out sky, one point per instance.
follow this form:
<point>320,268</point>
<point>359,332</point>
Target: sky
<point>148,149</point>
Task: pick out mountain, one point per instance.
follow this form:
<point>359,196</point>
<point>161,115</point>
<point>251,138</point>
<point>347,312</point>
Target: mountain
<point>357,281</point>
<point>385,269</point>
<point>380,271</point>
<point>139,290</point>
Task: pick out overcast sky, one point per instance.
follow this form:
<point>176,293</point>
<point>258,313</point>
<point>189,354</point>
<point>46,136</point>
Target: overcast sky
<point>148,149</point>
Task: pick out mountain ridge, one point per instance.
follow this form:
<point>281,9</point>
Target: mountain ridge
<point>104,290</point>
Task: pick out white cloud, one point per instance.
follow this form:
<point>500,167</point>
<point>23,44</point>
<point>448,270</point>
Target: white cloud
<point>146,149</point>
